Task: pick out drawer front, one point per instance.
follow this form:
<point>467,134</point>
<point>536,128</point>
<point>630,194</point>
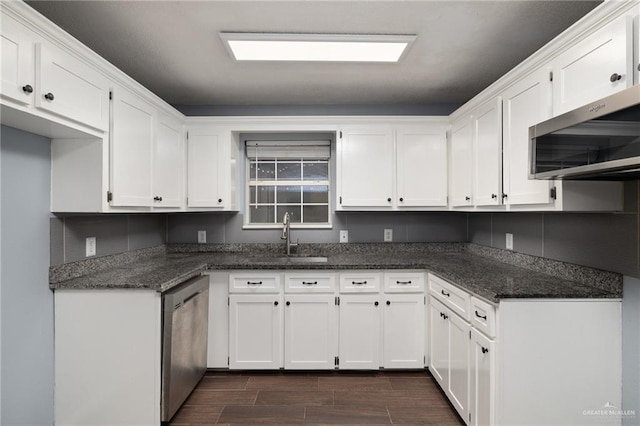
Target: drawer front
<point>321,282</point>
<point>254,282</point>
<point>455,298</point>
<point>404,282</point>
<point>360,282</point>
<point>483,316</point>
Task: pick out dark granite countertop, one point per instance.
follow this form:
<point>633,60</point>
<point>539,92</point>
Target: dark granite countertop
<point>470,267</point>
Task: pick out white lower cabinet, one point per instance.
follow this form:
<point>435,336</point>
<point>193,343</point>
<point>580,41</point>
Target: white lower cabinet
<point>449,343</point>
<point>310,331</point>
<point>482,379</point>
<point>403,320</point>
<point>360,321</point>
<point>255,331</point>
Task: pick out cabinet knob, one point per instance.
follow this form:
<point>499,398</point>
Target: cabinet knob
<point>388,302</point>
<point>275,303</point>
<point>49,96</point>
<point>401,199</point>
<point>389,199</point>
<point>156,198</point>
<point>615,77</point>
<point>288,303</point>
<point>27,89</point>
<point>494,196</point>
<point>219,200</point>
<point>504,196</point>
<point>375,303</point>
<point>467,198</point>
<point>484,350</point>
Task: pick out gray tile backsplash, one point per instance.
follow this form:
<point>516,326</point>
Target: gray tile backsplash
<point>608,241</point>
<point>363,227</point>
<point>114,234</point>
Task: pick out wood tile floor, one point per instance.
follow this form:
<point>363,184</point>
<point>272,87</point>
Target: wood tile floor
<point>287,398</point>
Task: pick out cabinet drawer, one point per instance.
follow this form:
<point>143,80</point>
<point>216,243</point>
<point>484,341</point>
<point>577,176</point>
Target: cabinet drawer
<point>254,282</point>
<point>360,282</point>
<point>404,282</point>
<point>455,298</point>
<point>321,282</point>
<point>483,316</point>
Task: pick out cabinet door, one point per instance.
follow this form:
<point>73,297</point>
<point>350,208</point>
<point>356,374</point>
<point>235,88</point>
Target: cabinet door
<point>461,164</point>
<point>365,167</point>
<point>589,70</point>
<point>17,78</point>
<point>68,87</point>
<point>482,384</point>
<point>487,137</point>
<point>439,342</point>
<point>403,332</point>
<point>421,167</point>
<point>255,331</point>
<point>132,143</point>
<point>310,332</point>
<point>459,339</point>
<point>360,316</point>
<point>168,164</point>
<point>207,185</point>
<point>526,103</point>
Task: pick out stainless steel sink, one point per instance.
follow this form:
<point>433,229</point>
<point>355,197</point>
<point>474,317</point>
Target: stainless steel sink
<point>289,259</point>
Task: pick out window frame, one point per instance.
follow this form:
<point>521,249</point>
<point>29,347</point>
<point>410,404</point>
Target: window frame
<point>295,225</point>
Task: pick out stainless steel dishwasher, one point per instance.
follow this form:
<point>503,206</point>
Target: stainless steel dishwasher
<point>185,316</point>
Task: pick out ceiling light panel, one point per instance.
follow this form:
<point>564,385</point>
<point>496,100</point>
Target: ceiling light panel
<point>316,47</point>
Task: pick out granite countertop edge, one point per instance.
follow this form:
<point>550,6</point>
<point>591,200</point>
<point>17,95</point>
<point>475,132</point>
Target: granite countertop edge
<point>485,277</point>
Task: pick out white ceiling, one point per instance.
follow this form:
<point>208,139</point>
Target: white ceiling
<point>173,47</point>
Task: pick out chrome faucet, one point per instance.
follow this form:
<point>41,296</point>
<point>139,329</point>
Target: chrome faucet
<point>286,232</point>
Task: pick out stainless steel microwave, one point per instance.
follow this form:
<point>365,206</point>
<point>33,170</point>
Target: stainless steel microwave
<point>599,141</point>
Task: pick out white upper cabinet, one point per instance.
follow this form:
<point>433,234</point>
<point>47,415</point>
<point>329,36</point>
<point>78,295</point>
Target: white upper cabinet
<point>17,77</point>
<point>461,163</point>
<point>421,167</point>
<point>132,142</point>
<point>208,168</point>
<point>595,67</point>
<point>487,139</point>
<point>401,166</point>
<point>365,167</point>
<point>70,88</point>
<point>168,163</point>
<point>526,103</point>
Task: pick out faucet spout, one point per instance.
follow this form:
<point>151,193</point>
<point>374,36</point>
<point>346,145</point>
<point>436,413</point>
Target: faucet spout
<point>286,232</point>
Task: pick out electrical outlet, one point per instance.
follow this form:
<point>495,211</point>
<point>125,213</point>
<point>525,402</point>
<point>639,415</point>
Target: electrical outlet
<point>509,241</point>
<point>90,246</point>
<point>202,237</point>
<point>388,235</point>
<point>344,236</point>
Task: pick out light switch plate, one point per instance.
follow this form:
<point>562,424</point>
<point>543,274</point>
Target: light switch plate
<point>202,237</point>
<point>388,235</point>
<point>90,246</point>
<point>509,241</point>
<point>344,236</point>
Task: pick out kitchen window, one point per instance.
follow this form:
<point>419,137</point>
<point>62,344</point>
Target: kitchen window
<point>288,176</point>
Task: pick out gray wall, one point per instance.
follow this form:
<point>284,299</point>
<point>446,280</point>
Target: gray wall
<point>114,234</point>
<point>304,110</point>
<point>363,228</point>
<point>27,303</point>
<point>631,349</point>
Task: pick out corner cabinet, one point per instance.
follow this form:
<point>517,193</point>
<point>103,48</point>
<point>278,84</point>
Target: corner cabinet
<point>392,167</point>
<point>493,360</point>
